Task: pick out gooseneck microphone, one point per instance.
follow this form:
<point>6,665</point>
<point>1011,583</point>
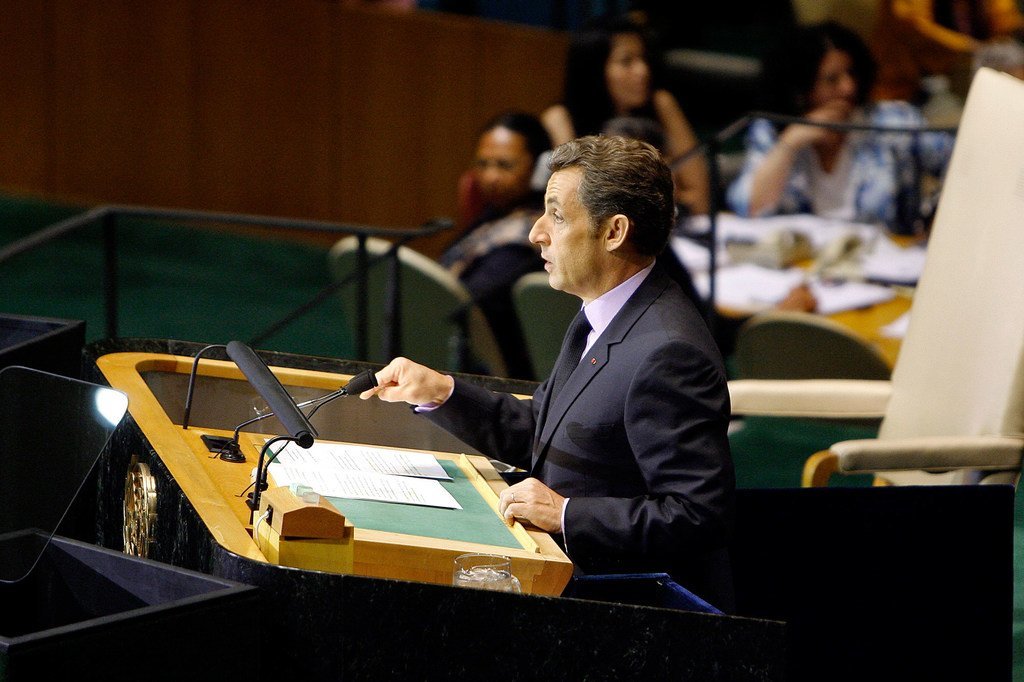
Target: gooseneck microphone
<point>192,383</point>
<point>363,381</point>
<point>271,390</point>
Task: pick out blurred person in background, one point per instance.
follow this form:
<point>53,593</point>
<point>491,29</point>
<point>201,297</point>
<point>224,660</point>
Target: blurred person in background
<point>612,71</point>
<point>824,72</point>
<point>498,205</point>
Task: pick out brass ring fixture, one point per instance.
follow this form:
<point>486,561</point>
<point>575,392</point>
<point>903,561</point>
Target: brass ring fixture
<point>139,509</point>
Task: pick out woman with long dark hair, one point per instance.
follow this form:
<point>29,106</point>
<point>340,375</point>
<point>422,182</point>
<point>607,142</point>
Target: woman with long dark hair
<point>612,71</point>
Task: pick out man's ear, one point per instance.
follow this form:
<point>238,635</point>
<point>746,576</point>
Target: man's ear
<point>616,233</point>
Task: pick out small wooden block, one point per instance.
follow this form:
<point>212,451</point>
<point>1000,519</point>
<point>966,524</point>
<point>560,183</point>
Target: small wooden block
<point>291,517</point>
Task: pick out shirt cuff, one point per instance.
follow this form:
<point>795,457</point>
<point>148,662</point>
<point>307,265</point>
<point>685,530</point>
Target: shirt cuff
<point>430,407</point>
<point>565,540</point>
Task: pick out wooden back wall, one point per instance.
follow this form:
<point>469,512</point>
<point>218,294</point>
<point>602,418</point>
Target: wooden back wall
<point>304,108</point>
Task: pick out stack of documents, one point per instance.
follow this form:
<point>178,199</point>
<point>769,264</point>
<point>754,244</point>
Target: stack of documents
<point>364,472</point>
<point>750,288</point>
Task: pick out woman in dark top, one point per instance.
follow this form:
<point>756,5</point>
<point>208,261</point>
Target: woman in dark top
<point>494,250</point>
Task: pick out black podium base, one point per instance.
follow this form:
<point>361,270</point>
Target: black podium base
<point>88,613</point>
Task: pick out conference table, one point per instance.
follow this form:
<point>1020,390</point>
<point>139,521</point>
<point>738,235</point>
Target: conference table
<point>862,276</point>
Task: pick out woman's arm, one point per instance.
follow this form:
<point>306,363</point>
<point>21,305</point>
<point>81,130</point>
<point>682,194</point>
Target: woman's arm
<point>692,183</point>
<point>558,123</point>
<point>772,175</point>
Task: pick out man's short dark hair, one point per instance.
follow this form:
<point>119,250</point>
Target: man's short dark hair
<point>622,175</point>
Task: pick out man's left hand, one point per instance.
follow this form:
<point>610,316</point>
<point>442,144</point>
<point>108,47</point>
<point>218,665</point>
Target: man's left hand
<point>533,503</point>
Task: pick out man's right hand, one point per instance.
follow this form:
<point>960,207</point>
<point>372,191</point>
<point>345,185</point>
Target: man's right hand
<point>405,381</point>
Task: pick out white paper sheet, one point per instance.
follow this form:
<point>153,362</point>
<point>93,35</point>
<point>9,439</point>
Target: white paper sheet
<point>366,486</point>
<point>749,288</point>
<point>364,458</point>
<point>888,262</point>
<point>897,329</point>
<point>835,298</point>
<point>364,472</point>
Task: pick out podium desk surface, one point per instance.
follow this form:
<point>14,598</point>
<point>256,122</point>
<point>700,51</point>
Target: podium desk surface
<point>412,543</point>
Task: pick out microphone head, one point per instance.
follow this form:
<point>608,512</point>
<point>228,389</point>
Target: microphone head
<point>363,381</point>
<point>304,440</point>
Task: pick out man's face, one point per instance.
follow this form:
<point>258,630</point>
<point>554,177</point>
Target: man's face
<point>572,257</point>
<point>503,168</point>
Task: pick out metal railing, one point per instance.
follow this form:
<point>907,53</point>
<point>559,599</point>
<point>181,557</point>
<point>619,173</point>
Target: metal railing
<point>107,216</point>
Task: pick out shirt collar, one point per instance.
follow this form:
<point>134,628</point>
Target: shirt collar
<point>602,310</point>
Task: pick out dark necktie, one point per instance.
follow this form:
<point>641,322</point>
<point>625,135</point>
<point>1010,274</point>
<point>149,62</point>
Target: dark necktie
<point>572,349</point>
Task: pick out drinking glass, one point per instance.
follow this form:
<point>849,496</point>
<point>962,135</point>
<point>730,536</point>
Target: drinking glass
<point>485,572</point>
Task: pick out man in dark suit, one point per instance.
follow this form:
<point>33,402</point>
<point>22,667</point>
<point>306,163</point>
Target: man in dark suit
<point>626,442</point>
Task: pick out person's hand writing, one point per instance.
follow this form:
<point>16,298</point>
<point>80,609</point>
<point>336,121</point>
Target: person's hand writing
<point>405,381</point>
<point>533,503</point>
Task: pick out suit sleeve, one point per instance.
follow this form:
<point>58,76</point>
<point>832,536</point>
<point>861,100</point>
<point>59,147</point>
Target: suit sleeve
<point>676,419</point>
<point>497,424</point>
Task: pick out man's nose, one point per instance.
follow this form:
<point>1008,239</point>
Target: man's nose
<point>536,231</point>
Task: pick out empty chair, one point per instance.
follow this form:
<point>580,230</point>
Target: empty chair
<point>440,326</point>
<point>779,344</point>
<point>955,404</point>
<point>544,314</point>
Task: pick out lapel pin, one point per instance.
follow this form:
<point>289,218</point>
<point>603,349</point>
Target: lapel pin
<point>593,361</point>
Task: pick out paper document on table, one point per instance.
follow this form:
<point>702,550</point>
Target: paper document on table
<point>749,288</point>
<point>837,297</point>
<point>366,485</point>
<point>889,262</point>
<point>365,458</point>
<point>897,329</point>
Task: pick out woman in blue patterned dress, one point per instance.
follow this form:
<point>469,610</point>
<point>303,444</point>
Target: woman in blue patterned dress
<point>825,73</point>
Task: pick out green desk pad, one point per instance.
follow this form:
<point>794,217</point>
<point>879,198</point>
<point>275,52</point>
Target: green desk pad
<point>475,522</point>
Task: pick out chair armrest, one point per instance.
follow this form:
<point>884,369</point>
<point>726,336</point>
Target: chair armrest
<point>934,453</point>
<point>815,398</point>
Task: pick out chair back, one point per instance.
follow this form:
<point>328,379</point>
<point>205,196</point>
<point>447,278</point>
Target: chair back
<point>544,314</point>
<point>794,345</point>
<point>960,370</point>
<point>432,302</point>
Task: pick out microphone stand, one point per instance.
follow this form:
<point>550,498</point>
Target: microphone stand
<point>192,383</point>
<point>261,474</point>
<point>363,381</point>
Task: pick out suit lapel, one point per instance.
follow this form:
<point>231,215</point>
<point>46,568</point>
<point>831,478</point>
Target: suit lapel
<point>593,362</point>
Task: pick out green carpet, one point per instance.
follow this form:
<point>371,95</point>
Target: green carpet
<point>201,285</point>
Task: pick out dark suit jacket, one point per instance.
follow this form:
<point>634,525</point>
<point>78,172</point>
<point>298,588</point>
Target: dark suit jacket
<point>637,440</point>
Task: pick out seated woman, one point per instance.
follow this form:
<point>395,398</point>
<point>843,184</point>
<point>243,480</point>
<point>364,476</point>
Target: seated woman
<point>824,73</point>
<point>611,71</point>
<point>494,249</point>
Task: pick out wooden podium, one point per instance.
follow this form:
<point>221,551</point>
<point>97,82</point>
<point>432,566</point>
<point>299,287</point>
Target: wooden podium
<point>396,614</point>
<point>384,545</point>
